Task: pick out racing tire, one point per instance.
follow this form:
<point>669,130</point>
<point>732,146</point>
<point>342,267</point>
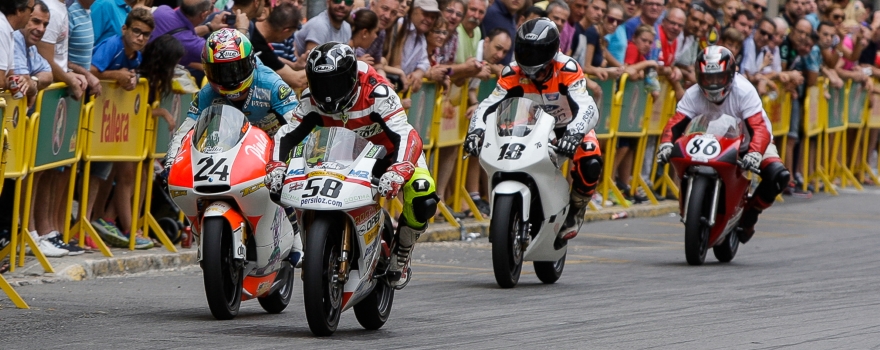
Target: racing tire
<point>550,271</point>
<point>373,311</point>
<point>725,251</point>
<point>696,233</point>
<point>322,295</point>
<point>223,276</point>
<point>278,300</point>
<point>504,231</point>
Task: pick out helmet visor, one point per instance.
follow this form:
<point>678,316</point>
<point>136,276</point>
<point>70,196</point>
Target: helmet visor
<point>714,81</point>
<point>229,74</point>
<point>332,94</point>
<point>532,54</point>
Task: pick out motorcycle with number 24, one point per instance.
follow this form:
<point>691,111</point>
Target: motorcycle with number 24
<point>244,238</point>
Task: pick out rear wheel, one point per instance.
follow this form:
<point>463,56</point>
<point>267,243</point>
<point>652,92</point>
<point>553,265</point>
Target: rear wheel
<point>277,301</point>
<point>725,251</point>
<point>504,229</point>
<point>223,275</point>
<point>696,232</point>
<point>550,271</point>
<point>322,292</point>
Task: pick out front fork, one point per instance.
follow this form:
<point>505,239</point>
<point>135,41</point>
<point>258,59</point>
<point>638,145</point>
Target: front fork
<point>342,274</point>
<point>715,194</point>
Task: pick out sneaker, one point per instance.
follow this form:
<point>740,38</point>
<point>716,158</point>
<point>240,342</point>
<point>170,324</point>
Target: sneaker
<point>640,196</point>
<point>54,238</point>
<point>48,249</point>
<point>110,233</point>
<point>140,242</point>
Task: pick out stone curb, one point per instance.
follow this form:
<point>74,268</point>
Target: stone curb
<point>442,232</point>
<point>116,266</point>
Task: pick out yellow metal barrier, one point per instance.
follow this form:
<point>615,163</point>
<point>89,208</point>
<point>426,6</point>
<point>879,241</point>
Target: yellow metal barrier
<point>872,122</point>
<point>116,131</point>
<point>663,110</point>
<point>858,114</point>
<point>631,121</point>
<point>4,285</point>
<point>605,131</point>
<point>836,126</point>
<point>814,127</point>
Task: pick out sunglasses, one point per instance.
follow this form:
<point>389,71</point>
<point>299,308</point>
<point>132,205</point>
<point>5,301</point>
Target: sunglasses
<point>637,2</point>
<point>837,17</point>
<point>612,20</point>
<point>765,33</point>
<point>455,13</point>
<point>347,2</point>
<point>759,7</point>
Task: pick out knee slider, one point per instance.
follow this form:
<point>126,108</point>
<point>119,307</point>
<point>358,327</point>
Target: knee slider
<point>591,168</point>
<point>777,174</point>
<point>424,207</point>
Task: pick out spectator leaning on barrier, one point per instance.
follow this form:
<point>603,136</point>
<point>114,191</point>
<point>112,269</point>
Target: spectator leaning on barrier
<point>577,9</point>
<point>690,46</point>
<point>185,24</point>
<point>409,54</point>
<point>282,22</point>
<point>761,64</point>
<point>117,59</point>
<point>14,15</point>
<point>805,59</point>
<point>54,47</point>
<point>286,49</point>
<point>713,7</point>
<point>434,40</point>
<point>364,31</point>
<point>608,29</point>
<point>730,8</point>
<point>28,63</point>
<point>651,11</point>
<point>631,8</point>
<point>81,41</point>
<point>161,57</point>
<point>530,14</point>
<point>469,33</point>
<point>386,11</point>
<point>759,7</point>
<point>668,34</point>
<point>559,12</point>
<point>246,12</point>
<point>732,39</point>
<point>327,26</point>
<point>793,11</point>
<point>588,32</point>
<point>502,14</point>
<point>453,15</point>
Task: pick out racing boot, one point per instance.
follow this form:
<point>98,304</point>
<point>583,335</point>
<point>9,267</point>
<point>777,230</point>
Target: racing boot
<point>399,272</point>
<point>749,218</point>
<point>577,206</point>
<point>296,253</point>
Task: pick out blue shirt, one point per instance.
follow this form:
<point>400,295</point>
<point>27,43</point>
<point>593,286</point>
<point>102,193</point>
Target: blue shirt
<point>27,60</point>
<point>617,43</point>
<point>110,55</point>
<point>81,38</point>
<point>497,16</point>
<point>285,49</point>
<point>814,20</point>
<point>108,16</point>
<point>268,100</point>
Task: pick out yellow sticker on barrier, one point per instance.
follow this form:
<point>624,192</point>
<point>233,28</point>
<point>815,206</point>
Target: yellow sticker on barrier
<point>119,123</point>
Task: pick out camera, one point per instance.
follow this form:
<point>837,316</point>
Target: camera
<point>229,20</point>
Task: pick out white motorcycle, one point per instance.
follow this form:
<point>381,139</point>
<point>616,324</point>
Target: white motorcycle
<point>347,235</point>
<point>529,194</point>
<point>244,238</point>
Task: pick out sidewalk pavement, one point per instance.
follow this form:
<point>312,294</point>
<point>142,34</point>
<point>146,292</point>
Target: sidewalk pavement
<point>126,262</point>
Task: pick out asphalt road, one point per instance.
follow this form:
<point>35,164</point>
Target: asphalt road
<point>807,280</point>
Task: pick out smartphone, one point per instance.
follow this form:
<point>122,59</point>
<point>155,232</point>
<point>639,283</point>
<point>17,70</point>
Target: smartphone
<point>230,20</point>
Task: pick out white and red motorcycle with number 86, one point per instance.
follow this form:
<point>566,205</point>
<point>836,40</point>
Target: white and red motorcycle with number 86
<point>244,238</point>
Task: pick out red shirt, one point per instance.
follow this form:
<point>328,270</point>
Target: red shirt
<point>632,54</point>
<point>667,49</point>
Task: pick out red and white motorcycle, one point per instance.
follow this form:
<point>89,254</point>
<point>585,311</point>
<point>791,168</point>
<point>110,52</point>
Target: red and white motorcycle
<point>244,238</point>
<point>347,234</point>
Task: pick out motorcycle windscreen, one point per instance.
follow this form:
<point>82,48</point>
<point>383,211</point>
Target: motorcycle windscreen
<point>219,129</point>
<point>333,148</point>
<point>722,125</point>
<point>516,117</point>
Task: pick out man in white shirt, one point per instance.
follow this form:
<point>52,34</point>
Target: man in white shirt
<point>14,15</point>
<point>53,48</point>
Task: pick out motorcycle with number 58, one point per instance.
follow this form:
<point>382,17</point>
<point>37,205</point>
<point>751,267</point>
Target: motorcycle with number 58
<point>529,193</point>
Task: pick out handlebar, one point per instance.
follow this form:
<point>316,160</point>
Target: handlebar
<point>374,180</point>
<point>756,171</point>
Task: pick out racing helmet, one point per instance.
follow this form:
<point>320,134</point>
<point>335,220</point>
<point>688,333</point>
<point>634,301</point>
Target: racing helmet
<point>332,71</point>
<point>716,69</point>
<point>537,42</point>
<point>229,62</point>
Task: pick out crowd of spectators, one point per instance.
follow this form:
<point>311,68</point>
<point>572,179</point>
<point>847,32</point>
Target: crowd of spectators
<point>451,43</point>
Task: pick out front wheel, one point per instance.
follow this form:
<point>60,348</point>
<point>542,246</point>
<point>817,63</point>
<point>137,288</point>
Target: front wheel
<point>322,292</point>
<point>550,271</point>
<point>373,311</point>
<point>696,232</point>
<point>504,229</point>
<point>223,275</point>
<point>725,251</point>
<point>277,301</point>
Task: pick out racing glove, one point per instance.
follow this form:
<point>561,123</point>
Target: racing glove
<point>274,179</point>
<point>752,161</point>
<point>394,178</point>
<point>474,142</point>
<point>569,143</point>
<point>663,153</point>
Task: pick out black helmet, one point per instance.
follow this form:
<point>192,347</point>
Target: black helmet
<point>716,69</point>
<point>332,70</point>
<point>537,42</point>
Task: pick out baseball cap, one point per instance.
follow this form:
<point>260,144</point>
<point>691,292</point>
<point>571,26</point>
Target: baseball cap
<point>427,5</point>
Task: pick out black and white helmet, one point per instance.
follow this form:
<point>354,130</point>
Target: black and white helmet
<point>537,42</point>
<point>331,70</point>
<point>716,69</point>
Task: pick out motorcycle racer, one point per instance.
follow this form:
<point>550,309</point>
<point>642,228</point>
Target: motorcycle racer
<point>237,78</point>
<point>344,92</point>
<point>556,82</point>
<point>720,90</point>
